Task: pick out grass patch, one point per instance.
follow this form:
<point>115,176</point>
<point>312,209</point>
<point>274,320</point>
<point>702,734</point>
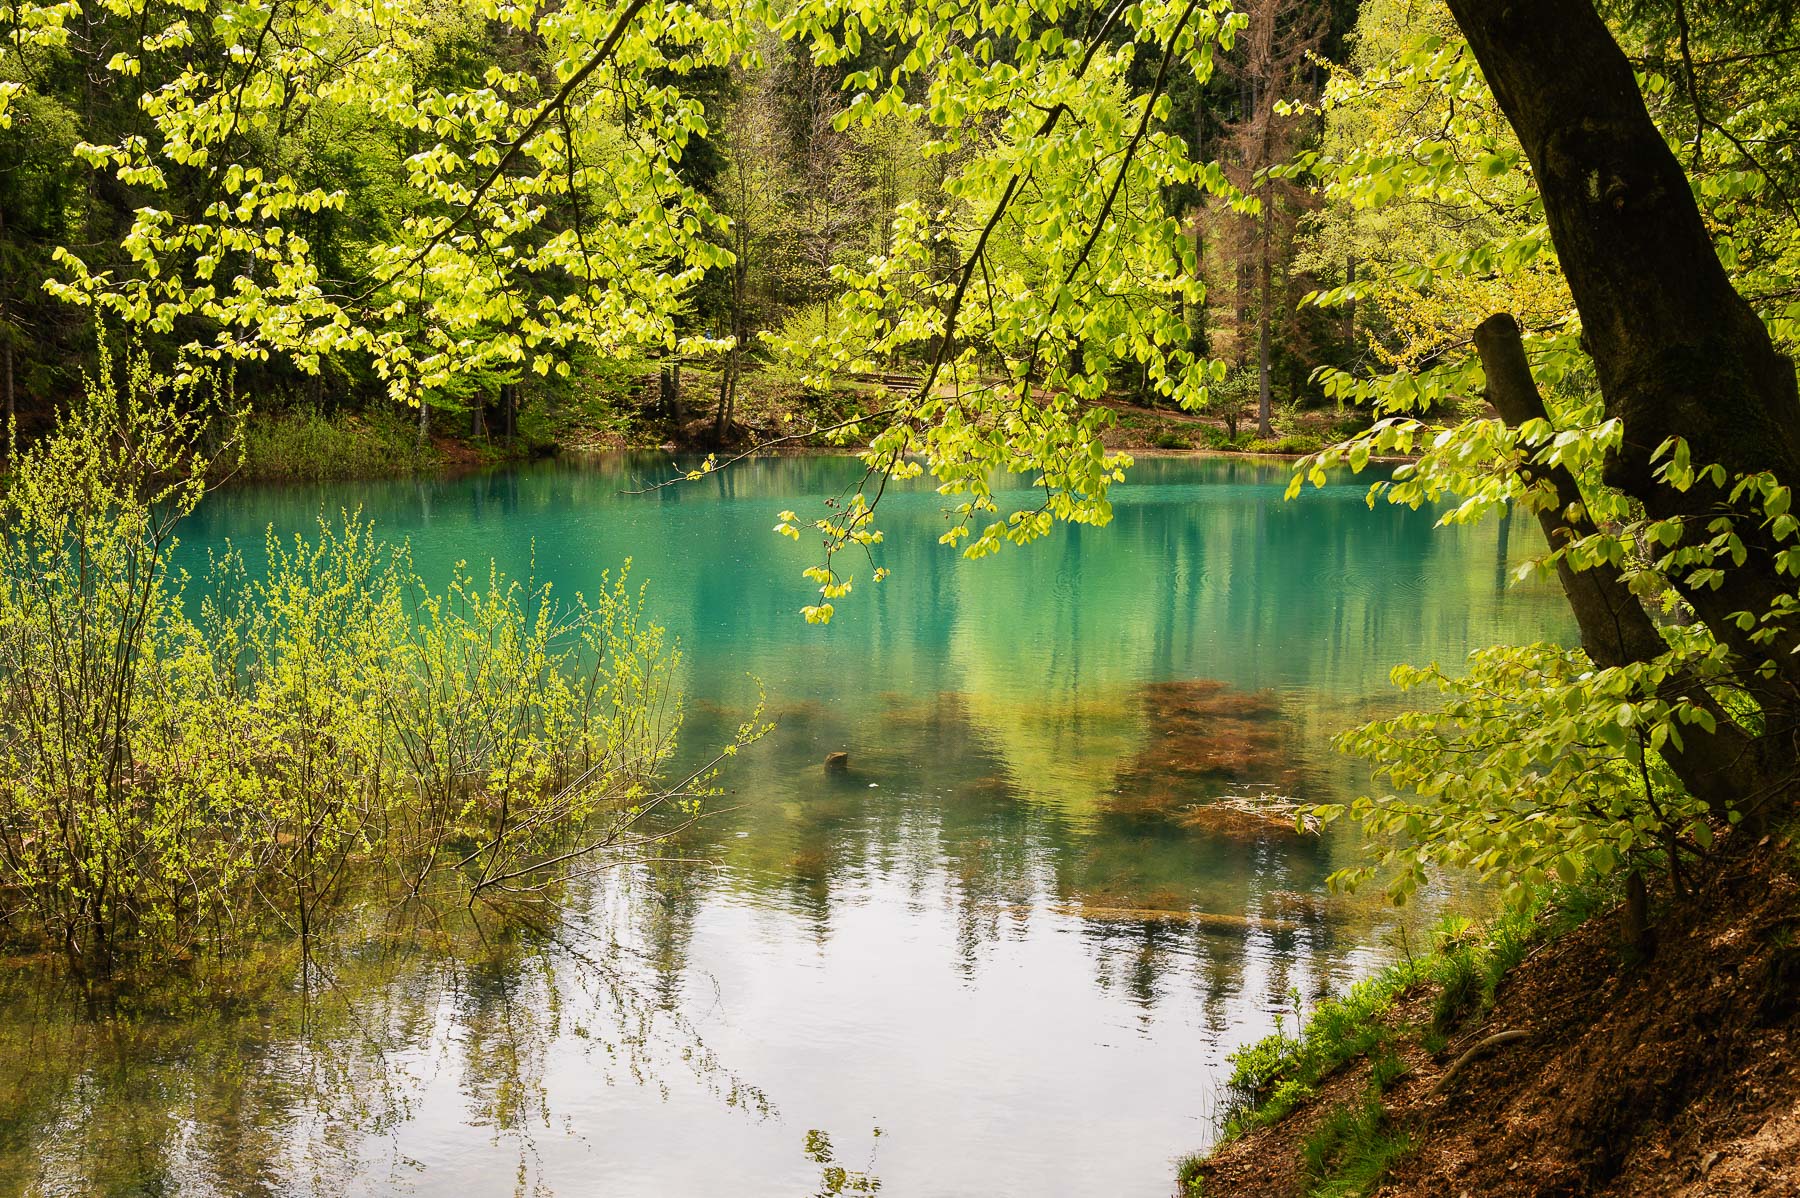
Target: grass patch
<point>304,444</point>
<point>1353,1147</point>
<point>1278,1073</point>
<point>1190,1178</point>
<point>1351,1150</point>
<point>1460,979</point>
<point>1291,443</point>
<point>1272,1077</point>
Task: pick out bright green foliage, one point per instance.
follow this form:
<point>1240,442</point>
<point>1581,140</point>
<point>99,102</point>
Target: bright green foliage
<point>1273,1076</point>
<point>94,840</point>
<point>519,207</point>
<point>447,197</point>
<point>1425,189</point>
<point>173,783</point>
<point>1054,259</point>
<point>1535,766</point>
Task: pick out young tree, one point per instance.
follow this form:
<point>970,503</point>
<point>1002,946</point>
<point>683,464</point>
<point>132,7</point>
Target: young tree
<point>1274,68</point>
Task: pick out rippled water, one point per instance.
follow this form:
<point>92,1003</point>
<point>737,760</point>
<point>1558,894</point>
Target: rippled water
<point>1016,936</point>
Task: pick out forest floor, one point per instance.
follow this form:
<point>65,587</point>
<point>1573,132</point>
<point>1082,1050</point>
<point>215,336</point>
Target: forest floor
<point>1600,1071</point>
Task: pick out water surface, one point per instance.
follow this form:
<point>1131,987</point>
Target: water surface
<point>1017,936</point>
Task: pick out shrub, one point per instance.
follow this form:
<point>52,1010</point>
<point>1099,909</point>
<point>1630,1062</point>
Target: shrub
<point>1535,766</point>
<point>171,784</point>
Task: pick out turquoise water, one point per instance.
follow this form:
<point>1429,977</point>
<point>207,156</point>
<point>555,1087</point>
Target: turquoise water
<point>1014,936</point>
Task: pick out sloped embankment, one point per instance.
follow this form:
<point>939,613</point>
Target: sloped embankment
<point>1582,1070</point>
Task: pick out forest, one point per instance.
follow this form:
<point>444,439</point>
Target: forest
<point>1189,596</point>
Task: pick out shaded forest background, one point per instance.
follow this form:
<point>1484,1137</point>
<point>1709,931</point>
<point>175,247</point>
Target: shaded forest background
<point>806,194</point>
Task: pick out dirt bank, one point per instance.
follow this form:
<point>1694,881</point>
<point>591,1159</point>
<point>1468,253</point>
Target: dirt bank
<point>1675,1073</point>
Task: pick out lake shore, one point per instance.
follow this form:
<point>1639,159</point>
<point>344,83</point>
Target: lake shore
<point>1503,1063</point>
<point>772,417</point>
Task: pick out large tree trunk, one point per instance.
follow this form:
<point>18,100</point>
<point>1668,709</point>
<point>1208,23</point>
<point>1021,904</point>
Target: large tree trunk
<point>1677,351</point>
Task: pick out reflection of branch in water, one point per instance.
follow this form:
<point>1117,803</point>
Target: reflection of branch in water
<point>603,981</point>
<point>834,1179</point>
<point>404,998</point>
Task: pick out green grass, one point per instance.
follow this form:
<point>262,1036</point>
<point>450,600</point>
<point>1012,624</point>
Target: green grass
<point>1354,1146</point>
<point>1189,1180</point>
<point>1278,1073</point>
<point>1351,1150</point>
<point>1291,443</point>
<point>304,444</point>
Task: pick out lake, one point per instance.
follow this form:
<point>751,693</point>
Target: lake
<point>1006,952</point>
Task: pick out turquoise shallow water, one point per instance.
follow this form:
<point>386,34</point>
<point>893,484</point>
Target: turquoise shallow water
<point>1010,937</point>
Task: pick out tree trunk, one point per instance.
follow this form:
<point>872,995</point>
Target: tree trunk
<point>1676,350</point>
<point>1350,309</point>
<point>728,381</point>
<point>6,331</point>
<point>668,387</point>
<point>1615,628</point>
<point>424,422</point>
<point>1264,320</point>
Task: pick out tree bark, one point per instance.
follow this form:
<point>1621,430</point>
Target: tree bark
<point>1676,350</point>
<point>1615,629</point>
<point>1264,319</point>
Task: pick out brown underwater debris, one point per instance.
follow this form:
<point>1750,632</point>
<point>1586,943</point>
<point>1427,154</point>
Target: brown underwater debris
<point>1200,919</point>
<point>1204,739</point>
<point>1251,816</point>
